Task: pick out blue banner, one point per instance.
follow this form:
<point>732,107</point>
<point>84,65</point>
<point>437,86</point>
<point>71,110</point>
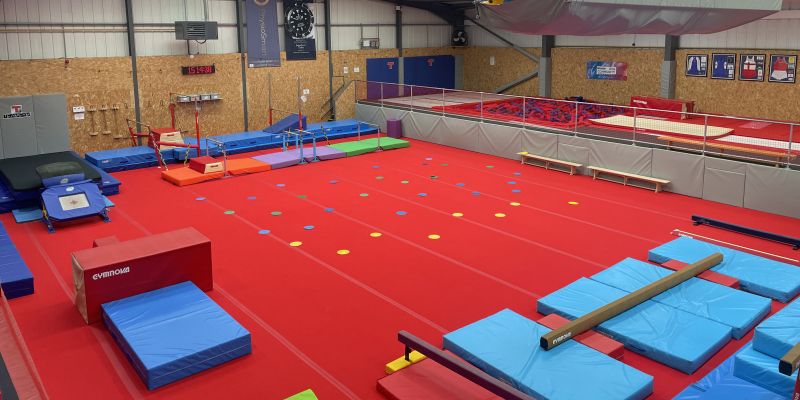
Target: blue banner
<point>299,30</point>
<point>263,45</point>
<point>607,70</point>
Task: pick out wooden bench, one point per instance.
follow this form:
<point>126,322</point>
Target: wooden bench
<point>781,157</point>
<point>626,176</point>
<point>547,161</point>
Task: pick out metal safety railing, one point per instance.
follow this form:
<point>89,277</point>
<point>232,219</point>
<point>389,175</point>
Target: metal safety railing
<point>762,141</point>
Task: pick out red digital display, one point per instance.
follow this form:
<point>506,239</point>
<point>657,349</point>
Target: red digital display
<point>199,70</point>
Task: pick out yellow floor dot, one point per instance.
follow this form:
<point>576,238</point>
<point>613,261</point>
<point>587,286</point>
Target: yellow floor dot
<point>376,234</point>
<point>458,214</point>
<point>514,203</point>
<point>573,203</point>
<point>433,236</point>
<point>500,215</point>
<point>343,252</point>
<point>296,244</point>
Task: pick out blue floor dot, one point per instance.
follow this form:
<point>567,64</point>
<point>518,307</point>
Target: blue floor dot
<point>333,182</point>
<point>308,227</point>
<point>459,184</point>
<point>515,191</point>
<point>376,166</point>
<point>401,213</point>
<point>264,232</point>
<point>512,183</point>
<point>251,197</point>
<point>329,209</point>
<point>476,193</point>
<point>517,173</point>
<point>200,198</point>
<point>281,185</point>
<point>422,194</point>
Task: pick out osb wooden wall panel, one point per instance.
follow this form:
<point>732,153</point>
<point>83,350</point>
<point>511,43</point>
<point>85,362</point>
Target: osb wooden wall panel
<point>160,76</point>
<point>480,75</point>
<point>734,97</point>
<point>96,83</point>
<point>569,73</point>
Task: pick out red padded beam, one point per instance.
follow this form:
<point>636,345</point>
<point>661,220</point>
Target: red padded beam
<point>595,340</point>
<point>710,276</point>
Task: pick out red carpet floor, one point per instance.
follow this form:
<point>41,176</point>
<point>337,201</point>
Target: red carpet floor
<point>328,322</point>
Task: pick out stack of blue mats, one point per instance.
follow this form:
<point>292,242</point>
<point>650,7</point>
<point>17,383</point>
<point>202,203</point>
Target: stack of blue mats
<point>665,334</point>
<point>16,279</point>
<point>127,158</point>
<point>174,332</point>
<point>721,384</point>
<point>235,143</point>
<point>756,274</point>
<point>286,124</point>
<point>506,346</point>
<point>739,310</point>
<point>778,334</point>
<point>7,202</point>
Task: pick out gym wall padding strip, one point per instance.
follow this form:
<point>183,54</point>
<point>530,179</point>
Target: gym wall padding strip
<point>756,274</point>
<point>762,370</point>
<point>665,334</point>
<point>505,345</point>
<point>721,384</point>
<point>687,177</point>
<point>739,310</point>
<point>174,332</point>
<point>780,332</point>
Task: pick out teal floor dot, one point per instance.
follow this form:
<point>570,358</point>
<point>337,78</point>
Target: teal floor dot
<point>276,213</point>
<point>401,213</point>
<point>364,194</point>
<point>329,209</point>
<point>302,196</point>
<point>512,183</point>
<point>229,212</point>
<point>264,232</point>
<point>422,194</point>
<point>308,227</point>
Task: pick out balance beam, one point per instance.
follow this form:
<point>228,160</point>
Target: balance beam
<point>794,242</point>
<point>577,326</point>
<point>460,367</point>
<point>790,361</point>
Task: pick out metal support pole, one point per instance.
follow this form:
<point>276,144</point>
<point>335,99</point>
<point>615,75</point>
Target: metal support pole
<point>269,97</point>
<point>524,108</point>
<point>299,105</point>
<point>302,146</point>
<point>705,133</point>
<point>577,104</point>
<point>789,150</point>
<point>411,92</point>
<point>328,47</point>
<point>481,106</point>
<point>137,111</point>
<point>398,29</point>
<point>242,43</point>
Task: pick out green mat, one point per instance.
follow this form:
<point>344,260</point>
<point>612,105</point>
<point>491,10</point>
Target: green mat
<point>359,147</point>
<point>304,395</point>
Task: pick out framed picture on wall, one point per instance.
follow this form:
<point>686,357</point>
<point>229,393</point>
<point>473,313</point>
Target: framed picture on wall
<point>697,65</point>
<point>782,68</point>
<point>751,67</point>
<point>723,66</point>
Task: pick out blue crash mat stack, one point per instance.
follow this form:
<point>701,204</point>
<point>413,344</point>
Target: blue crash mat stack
<point>174,332</point>
<point>15,278</point>
<point>506,346</point>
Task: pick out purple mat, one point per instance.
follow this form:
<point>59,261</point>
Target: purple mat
<point>280,159</point>
<point>324,153</point>
<point>394,128</point>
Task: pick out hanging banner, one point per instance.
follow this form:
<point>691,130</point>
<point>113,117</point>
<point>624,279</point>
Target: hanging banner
<point>607,70</point>
<point>299,30</point>
<point>263,45</point>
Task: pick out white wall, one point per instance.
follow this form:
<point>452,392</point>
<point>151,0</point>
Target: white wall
<point>352,20</point>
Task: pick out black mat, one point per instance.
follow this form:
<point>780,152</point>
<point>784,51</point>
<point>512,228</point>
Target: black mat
<point>20,172</point>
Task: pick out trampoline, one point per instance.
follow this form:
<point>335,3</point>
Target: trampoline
<point>548,112</point>
<point>668,126</point>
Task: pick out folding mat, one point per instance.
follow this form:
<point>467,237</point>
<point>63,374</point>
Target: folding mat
<point>756,274</point>
<point>280,159</point>
<point>356,147</point>
<point>506,346</point>
<point>174,332</point>
<point>387,143</point>
<point>739,310</point>
<point>242,166</point>
<point>665,334</point>
<point>184,176</point>
<point>779,333</point>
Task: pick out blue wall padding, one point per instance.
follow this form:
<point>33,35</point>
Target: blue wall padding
<point>286,124</point>
<point>380,70</point>
<point>506,346</point>
<point>756,274</point>
<point>739,310</point>
<point>127,158</point>
<point>430,71</point>
<point>174,332</point>
<point>780,332</point>
<point>673,337</point>
<point>721,384</point>
<point>15,278</point>
<point>762,370</point>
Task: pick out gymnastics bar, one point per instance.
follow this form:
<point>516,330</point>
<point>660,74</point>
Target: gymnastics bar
<point>460,367</point>
<point>794,242</point>
<point>790,361</point>
<point>577,326</point>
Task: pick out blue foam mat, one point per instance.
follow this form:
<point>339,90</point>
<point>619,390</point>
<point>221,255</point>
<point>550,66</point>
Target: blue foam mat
<point>127,158</point>
<point>15,278</point>
<point>506,346</point>
<point>780,332</point>
<point>721,384</point>
<point>762,370</point>
<point>174,332</point>
<point>739,310</point>
<point>665,334</point>
<point>756,274</point>
<point>285,124</point>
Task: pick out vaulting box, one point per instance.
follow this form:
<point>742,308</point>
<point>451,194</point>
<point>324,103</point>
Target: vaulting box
<point>119,270</point>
